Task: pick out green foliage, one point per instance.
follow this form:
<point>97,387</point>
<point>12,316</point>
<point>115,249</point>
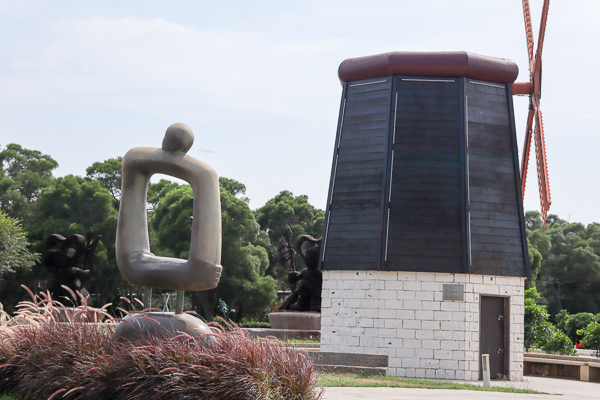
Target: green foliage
<point>590,336</point>
<point>157,191</point>
<point>295,211</point>
<point>108,173</point>
<point>561,320</point>
<point>75,200</point>
<point>23,175</point>
<point>14,252</point>
<point>253,324</point>
<point>535,262</point>
<point>172,222</point>
<point>244,285</point>
<point>539,332</point>
<point>234,187</point>
<point>538,243</point>
<point>574,323</point>
<point>556,342</point>
<point>565,259</point>
<point>537,326</point>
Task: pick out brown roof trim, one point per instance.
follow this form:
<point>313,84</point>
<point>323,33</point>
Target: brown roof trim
<point>449,64</point>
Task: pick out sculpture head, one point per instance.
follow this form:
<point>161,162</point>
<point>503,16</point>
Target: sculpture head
<point>178,137</point>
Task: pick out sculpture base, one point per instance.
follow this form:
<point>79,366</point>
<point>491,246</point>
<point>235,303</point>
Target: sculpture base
<point>296,320</point>
<point>166,324</point>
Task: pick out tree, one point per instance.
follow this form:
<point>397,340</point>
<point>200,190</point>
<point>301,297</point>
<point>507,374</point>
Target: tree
<point>539,332</point>
<point>536,318</point>
<point>157,191</point>
<point>299,215</point>
<point>576,322</point>
<point>108,173</point>
<point>14,252</point>
<point>591,336</point>
<point>568,275</point>
<point>172,221</point>
<point>233,187</point>
<point>243,285</point>
<point>538,244</point>
<point>23,175</point>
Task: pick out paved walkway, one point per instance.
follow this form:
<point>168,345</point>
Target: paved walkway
<point>570,390</point>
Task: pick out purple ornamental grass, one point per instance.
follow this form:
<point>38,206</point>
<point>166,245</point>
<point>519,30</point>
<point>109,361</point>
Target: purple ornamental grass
<point>80,361</point>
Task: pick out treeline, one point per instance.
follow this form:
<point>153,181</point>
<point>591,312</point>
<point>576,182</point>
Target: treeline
<point>565,263</point>
<point>562,303</point>
<point>35,204</point>
<point>565,256</point>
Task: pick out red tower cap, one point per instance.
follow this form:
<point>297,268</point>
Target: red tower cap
<point>449,64</point>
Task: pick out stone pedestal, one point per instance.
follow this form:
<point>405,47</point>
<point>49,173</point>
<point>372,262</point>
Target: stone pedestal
<point>166,324</point>
<point>290,325</point>
<point>310,321</point>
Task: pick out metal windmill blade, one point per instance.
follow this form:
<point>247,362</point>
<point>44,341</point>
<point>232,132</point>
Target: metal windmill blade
<point>533,88</point>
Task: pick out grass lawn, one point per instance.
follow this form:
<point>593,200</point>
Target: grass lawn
<point>358,380</point>
<point>304,341</point>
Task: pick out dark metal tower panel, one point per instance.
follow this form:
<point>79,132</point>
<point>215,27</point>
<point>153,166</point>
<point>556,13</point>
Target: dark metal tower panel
<point>425,175</point>
<point>497,243</point>
<point>424,228</point>
<point>353,225</point>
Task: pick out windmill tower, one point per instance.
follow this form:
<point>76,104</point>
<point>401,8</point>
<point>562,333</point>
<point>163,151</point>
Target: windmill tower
<point>424,253</point>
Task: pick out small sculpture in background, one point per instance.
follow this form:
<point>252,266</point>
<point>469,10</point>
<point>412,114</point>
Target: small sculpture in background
<point>286,252</point>
<point>306,284</point>
<point>62,258</point>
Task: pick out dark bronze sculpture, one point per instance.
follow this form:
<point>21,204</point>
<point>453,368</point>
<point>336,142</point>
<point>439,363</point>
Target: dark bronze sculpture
<point>306,284</point>
<point>62,258</point>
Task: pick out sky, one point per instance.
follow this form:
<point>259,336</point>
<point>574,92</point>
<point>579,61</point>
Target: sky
<point>257,82</point>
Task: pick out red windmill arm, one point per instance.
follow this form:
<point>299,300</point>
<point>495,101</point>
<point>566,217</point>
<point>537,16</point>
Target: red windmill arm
<point>542,168</point>
<point>526,149</point>
<point>528,33</point>
<point>534,89</point>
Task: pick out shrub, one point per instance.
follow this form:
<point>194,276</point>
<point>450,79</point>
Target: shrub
<point>561,320</point>
<point>80,361</point>
<point>556,342</point>
<point>254,324</point>
<point>537,327</point>
<point>591,336</point>
<point>576,322</point>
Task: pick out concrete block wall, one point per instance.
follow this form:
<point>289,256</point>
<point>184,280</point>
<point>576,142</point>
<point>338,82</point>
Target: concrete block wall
<point>403,315</point>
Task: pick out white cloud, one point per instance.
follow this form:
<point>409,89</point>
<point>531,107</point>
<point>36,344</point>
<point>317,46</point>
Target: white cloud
<point>97,59</point>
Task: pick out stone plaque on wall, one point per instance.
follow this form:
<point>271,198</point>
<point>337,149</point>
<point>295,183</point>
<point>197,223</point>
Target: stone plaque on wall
<point>453,292</point>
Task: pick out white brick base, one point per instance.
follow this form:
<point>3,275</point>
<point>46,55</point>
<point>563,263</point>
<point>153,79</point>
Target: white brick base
<point>403,315</point>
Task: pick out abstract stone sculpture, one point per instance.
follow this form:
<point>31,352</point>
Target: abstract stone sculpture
<point>62,258</point>
<point>307,294</point>
<point>137,264</point>
<point>202,270</point>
